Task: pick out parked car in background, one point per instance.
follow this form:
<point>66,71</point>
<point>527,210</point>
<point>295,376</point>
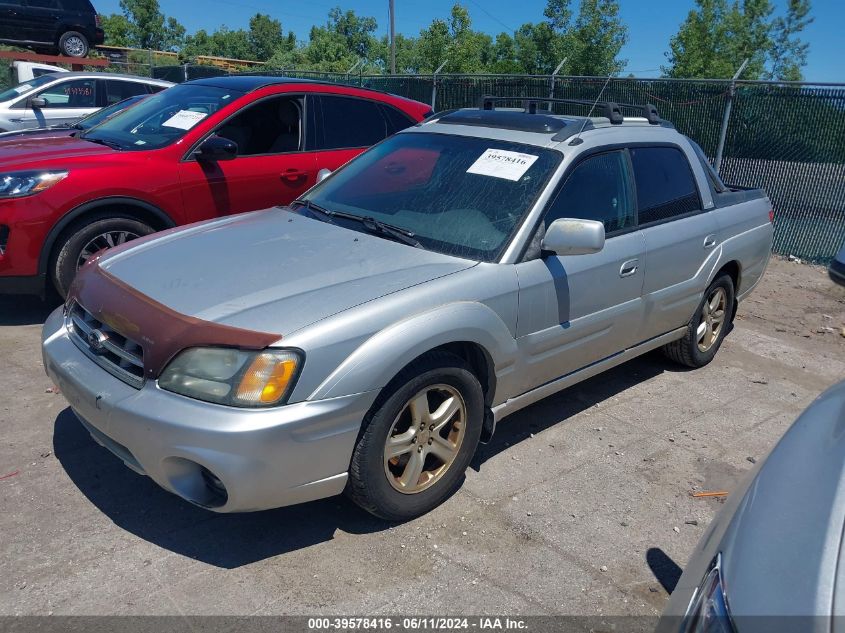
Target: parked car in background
<point>21,72</point>
<point>199,150</point>
<point>63,98</point>
<point>85,123</point>
<point>368,336</point>
<point>68,27</point>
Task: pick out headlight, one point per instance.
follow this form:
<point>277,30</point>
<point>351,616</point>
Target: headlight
<point>27,183</point>
<point>708,609</point>
<point>234,377</point>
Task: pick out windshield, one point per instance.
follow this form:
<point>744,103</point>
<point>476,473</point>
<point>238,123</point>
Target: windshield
<point>161,119</point>
<point>459,195</point>
<point>95,118</point>
<point>24,88</point>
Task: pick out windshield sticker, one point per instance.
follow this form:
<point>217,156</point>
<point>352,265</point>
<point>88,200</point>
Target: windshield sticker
<point>184,119</point>
<point>23,88</point>
<point>500,163</point>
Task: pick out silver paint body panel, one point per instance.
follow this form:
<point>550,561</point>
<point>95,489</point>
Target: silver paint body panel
<point>361,308</point>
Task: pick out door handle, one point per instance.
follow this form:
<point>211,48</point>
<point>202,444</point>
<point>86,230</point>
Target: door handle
<point>294,174</point>
<point>710,241</point>
<point>629,268</point>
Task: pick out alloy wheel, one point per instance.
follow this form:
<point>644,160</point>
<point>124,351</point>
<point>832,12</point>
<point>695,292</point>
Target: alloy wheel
<point>101,241</point>
<point>712,319</point>
<point>425,438</point>
<point>74,46</point>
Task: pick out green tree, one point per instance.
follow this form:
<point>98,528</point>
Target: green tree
<point>789,53</point>
<point>345,39</point>
<point>596,39</point>
<point>265,36</point>
<point>117,29</point>
<point>148,26</point>
<point>455,42</point>
<point>717,37</point>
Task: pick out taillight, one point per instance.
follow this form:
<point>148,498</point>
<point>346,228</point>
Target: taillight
<point>98,21</point>
<point>772,216</point>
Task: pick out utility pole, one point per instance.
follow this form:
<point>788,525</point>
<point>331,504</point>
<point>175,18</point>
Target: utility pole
<point>392,37</point>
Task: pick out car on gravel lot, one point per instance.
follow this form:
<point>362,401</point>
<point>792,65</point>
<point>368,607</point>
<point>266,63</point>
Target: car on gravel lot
<point>368,336</point>
<point>197,151</point>
<point>62,98</point>
<point>771,561</point>
<point>74,128</point>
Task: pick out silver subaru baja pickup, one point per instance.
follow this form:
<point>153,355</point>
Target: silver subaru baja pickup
<point>367,337</point>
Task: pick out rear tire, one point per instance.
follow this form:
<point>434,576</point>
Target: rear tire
<point>83,240</point>
<point>708,326</point>
<point>73,44</point>
<point>431,452</point>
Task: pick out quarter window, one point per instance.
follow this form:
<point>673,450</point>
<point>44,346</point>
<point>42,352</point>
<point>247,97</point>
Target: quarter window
<point>346,123</point>
<point>665,184</point>
<point>78,93</point>
<point>597,189</point>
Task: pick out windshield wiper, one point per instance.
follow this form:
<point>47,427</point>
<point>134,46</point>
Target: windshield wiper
<point>372,225</point>
<point>100,141</point>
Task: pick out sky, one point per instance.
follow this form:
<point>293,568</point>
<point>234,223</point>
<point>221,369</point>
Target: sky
<point>650,23</point>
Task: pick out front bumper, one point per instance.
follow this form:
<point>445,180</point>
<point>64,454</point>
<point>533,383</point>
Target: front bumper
<point>263,458</point>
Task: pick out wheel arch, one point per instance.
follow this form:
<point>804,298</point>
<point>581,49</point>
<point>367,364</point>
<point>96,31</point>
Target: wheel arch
<point>470,330</point>
<point>133,207</point>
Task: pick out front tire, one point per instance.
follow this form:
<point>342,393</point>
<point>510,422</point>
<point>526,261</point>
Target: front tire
<point>708,326</point>
<point>84,240</point>
<point>73,44</point>
<point>414,451</point>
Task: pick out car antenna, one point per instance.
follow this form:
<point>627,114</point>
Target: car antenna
<point>577,140</point>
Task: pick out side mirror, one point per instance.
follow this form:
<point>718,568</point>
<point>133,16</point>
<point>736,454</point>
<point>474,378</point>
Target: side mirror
<point>38,102</point>
<point>569,236</point>
<point>216,148</point>
<point>323,174</point>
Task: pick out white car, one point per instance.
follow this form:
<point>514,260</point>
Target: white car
<point>62,98</point>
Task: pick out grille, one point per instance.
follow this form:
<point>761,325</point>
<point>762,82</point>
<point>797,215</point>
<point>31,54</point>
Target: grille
<point>120,356</point>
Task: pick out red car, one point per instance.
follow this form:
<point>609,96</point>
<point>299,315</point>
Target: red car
<point>195,151</point>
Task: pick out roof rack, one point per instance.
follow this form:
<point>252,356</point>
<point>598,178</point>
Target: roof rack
<point>611,110</point>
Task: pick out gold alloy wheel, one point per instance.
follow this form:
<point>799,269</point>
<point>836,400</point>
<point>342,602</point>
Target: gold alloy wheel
<point>425,439</point>
<point>712,319</point>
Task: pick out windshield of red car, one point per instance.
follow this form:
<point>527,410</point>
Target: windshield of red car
<point>161,119</point>
<point>462,196</point>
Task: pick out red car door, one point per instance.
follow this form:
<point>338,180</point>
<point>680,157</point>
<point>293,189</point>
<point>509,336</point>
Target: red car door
<point>272,166</point>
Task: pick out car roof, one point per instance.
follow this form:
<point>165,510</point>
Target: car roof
<point>250,83</point>
<point>534,127</point>
<point>79,74</point>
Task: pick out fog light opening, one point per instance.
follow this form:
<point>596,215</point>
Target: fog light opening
<point>219,495</point>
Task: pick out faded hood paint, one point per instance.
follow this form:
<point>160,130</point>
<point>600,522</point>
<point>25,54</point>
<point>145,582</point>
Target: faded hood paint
<point>271,271</point>
<point>27,152</point>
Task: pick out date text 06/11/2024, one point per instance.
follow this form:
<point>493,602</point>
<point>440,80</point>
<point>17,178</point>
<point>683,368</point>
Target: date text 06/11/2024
<point>416,623</point>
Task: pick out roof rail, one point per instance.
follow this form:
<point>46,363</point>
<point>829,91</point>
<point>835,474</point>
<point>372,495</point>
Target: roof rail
<point>611,110</point>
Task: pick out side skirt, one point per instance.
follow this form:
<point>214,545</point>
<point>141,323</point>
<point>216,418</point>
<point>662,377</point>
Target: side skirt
<point>513,405</point>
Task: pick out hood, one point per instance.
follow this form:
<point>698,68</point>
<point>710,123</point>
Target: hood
<point>270,271</point>
<point>20,151</point>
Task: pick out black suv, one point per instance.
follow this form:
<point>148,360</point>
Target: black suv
<point>70,27</point>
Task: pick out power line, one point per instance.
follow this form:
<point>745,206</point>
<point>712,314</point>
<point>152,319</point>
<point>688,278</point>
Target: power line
<point>492,17</point>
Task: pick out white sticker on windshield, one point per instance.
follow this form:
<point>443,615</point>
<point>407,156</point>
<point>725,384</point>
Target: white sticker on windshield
<point>500,163</point>
<point>184,119</point>
<point>23,88</point>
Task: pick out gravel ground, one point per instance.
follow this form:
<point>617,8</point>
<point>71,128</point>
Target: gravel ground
<point>581,504</point>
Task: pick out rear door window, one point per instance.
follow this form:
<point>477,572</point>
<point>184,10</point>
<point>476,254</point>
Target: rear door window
<point>396,120</point>
<point>117,90</point>
<point>347,122</point>
<point>665,184</point>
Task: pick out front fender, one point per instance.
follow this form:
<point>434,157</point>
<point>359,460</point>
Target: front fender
<point>381,357</point>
